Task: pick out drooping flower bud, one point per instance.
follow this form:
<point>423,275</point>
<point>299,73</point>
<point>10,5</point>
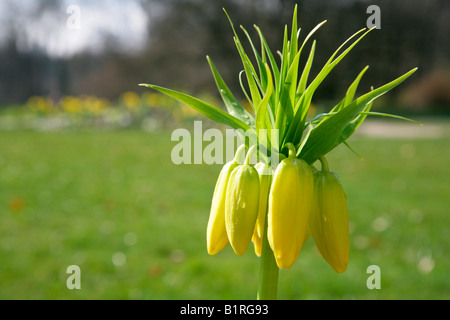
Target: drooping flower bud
<point>329,220</point>
<point>265,179</point>
<point>216,234</point>
<point>290,201</point>
<point>241,206</point>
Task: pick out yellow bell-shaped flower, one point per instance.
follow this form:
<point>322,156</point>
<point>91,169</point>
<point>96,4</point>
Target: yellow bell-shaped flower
<point>216,234</point>
<point>290,201</point>
<point>265,179</point>
<point>241,205</point>
<point>329,219</point>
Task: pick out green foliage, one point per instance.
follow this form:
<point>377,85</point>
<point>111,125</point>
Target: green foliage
<point>280,94</point>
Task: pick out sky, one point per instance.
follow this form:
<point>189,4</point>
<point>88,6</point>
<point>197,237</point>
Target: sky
<point>72,26</point>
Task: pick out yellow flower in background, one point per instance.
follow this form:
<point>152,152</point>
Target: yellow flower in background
<point>40,104</point>
<point>329,220</point>
<point>94,105</point>
<point>131,100</point>
<point>290,201</point>
<point>152,100</point>
<point>188,112</point>
<point>101,105</point>
<point>71,104</point>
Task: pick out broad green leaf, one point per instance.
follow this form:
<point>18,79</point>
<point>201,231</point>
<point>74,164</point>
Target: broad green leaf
<point>327,133</point>
<point>319,117</point>
<point>233,106</point>
<point>208,110</point>
<point>355,124</point>
<point>304,140</point>
<point>297,125</point>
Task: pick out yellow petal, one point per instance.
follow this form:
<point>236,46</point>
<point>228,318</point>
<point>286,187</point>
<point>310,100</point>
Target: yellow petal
<point>257,243</point>
<point>265,179</point>
<point>241,207</point>
<point>329,220</point>
<point>216,234</point>
<point>290,201</point>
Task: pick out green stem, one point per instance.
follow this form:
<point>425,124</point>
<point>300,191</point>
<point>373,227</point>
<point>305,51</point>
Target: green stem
<point>240,154</point>
<point>250,154</point>
<point>292,152</point>
<point>324,163</point>
<point>268,278</point>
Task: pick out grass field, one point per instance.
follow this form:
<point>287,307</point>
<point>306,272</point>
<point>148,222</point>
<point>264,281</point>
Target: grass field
<point>115,205</point>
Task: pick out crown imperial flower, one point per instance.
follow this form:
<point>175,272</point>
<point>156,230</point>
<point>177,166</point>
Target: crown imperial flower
<point>329,220</point>
<point>241,206</point>
<point>290,202</point>
<point>278,212</point>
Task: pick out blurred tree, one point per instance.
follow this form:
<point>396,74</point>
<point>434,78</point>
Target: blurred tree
<point>182,32</point>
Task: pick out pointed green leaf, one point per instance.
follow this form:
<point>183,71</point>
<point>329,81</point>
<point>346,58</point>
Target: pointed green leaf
<point>388,115</point>
<point>263,120</point>
<point>273,63</point>
<point>354,125</point>
<point>330,65</point>
<point>326,134</point>
<point>208,110</point>
<point>245,90</point>
<point>305,74</point>
<point>233,106</point>
<point>252,78</point>
<point>350,92</point>
<point>353,150</point>
<point>294,36</point>
<point>284,55</point>
<point>259,60</point>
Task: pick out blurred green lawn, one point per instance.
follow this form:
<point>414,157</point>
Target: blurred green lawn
<point>114,204</point>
